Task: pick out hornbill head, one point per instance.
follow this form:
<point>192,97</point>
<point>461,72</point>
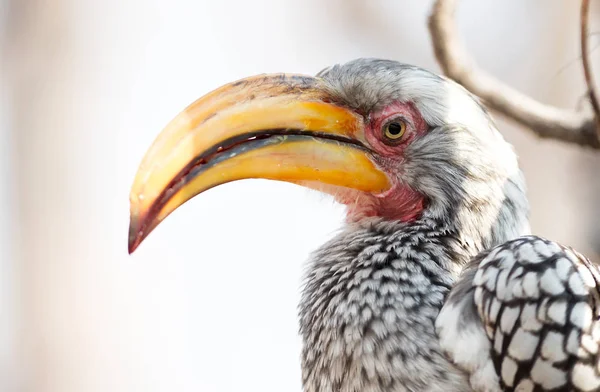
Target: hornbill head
<point>387,139</point>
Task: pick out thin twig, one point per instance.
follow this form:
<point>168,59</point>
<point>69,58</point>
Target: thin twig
<point>585,61</point>
<point>544,120</point>
<point>578,58</point>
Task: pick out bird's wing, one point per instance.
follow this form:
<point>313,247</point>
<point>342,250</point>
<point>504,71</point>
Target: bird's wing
<point>524,316</point>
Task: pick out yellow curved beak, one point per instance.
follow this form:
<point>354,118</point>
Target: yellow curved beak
<point>278,127</point>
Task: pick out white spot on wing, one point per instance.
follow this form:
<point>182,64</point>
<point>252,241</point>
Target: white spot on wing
<point>550,283</point>
<point>529,322</point>
<point>494,309</point>
<point>525,385</point>
<point>557,312</point>
<point>585,378</point>
<point>518,288</point>
<point>509,369</point>
<point>546,375</point>
<point>501,285</point>
<point>552,347</point>
<point>509,317</point>
<point>573,342</point>
<point>530,285</point>
<point>563,266</point>
<point>577,286</point>
<point>581,316</point>
<point>522,345</point>
<point>490,278</point>
<point>589,344</point>
<point>498,341</point>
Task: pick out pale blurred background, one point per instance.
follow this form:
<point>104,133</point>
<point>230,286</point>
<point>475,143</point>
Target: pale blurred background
<point>208,302</point>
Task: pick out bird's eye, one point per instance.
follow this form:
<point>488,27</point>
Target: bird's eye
<point>394,130</point>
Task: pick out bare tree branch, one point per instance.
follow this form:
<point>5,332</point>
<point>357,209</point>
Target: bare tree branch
<point>585,60</point>
<point>544,120</point>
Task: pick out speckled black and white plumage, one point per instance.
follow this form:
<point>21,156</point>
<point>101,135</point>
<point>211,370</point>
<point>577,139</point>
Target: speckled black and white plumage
<point>370,311</point>
<point>370,303</point>
<point>529,310</point>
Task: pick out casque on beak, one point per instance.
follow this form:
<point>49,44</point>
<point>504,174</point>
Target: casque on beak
<point>279,127</point>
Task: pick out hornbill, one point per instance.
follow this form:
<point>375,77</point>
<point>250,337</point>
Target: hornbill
<point>435,282</point>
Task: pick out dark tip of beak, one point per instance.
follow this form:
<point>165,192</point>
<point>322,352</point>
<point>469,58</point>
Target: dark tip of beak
<point>132,246</point>
<point>135,236</point>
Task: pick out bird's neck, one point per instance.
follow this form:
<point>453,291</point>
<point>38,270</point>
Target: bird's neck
<point>490,213</point>
<point>480,214</point>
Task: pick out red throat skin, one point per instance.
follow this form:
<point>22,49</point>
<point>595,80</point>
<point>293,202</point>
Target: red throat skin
<point>397,204</point>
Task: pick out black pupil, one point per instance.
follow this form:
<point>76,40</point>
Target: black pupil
<point>395,129</point>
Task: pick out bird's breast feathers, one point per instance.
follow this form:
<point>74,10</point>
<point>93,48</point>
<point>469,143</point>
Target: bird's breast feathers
<point>368,313</point>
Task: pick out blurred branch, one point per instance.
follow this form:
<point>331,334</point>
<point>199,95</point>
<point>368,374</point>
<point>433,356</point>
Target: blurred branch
<point>585,60</point>
<point>544,120</point>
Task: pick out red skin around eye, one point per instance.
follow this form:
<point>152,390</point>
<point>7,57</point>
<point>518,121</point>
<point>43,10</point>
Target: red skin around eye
<point>415,125</point>
<point>400,203</point>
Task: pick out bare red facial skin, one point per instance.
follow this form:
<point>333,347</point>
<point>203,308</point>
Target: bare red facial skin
<point>400,203</point>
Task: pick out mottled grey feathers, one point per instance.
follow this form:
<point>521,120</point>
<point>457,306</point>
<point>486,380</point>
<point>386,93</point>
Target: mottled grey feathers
<point>368,310</point>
